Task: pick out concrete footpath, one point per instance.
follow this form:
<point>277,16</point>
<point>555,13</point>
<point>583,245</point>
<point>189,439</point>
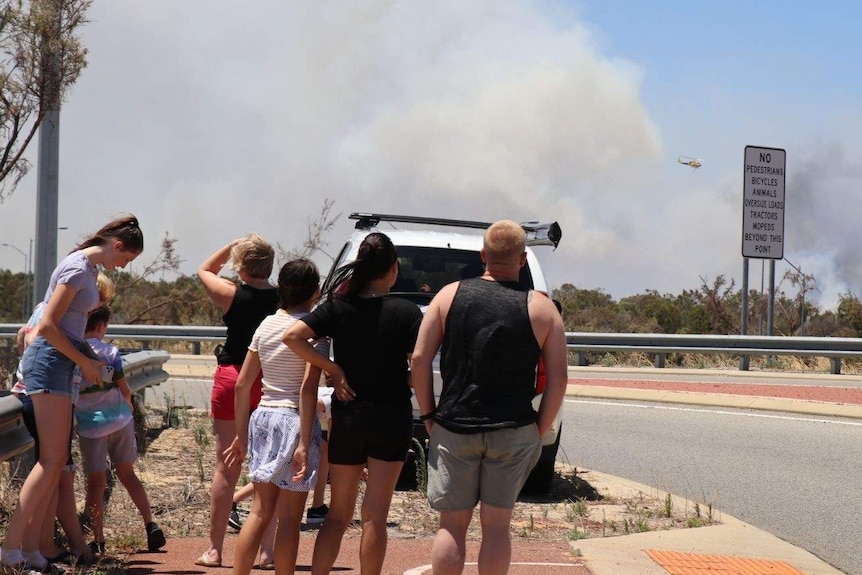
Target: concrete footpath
<point>731,548</point>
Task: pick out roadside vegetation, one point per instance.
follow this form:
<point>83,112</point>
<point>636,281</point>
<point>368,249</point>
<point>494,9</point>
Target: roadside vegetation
<point>160,294</point>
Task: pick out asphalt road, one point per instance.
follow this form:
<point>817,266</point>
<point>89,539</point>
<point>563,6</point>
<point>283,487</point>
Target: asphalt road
<point>794,476</point>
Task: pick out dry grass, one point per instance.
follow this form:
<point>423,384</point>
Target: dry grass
<point>775,363</point>
<point>177,469</point>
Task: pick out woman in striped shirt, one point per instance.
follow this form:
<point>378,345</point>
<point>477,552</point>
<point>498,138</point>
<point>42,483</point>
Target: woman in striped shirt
<point>283,434</point>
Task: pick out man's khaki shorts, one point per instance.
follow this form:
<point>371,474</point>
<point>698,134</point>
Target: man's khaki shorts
<point>490,467</point>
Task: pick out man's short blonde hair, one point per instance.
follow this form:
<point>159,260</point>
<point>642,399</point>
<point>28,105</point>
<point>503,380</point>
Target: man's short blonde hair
<point>253,255</point>
<point>504,242</point>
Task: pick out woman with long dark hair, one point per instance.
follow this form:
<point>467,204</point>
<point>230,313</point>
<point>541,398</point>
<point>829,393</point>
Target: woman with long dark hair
<point>373,336</point>
<point>47,367</point>
<point>283,434</point>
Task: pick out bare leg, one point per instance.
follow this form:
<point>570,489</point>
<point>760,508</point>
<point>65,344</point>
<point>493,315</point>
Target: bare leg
<point>223,484</point>
<point>53,421</point>
<point>322,475</point>
<point>495,553</point>
<point>47,546</point>
<point>67,514</point>
<point>262,511</point>
<point>382,477</point>
<point>291,506</point>
<point>243,492</point>
<point>450,545</point>
<point>96,483</point>
<point>126,475</point>
<point>267,553</point>
<point>344,485</point>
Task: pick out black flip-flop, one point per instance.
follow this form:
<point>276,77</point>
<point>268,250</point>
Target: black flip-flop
<point>64,556</point>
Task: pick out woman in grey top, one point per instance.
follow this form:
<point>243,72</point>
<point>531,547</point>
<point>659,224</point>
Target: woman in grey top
<point>47,367</point>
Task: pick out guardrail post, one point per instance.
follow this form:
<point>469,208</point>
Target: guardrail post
<point>744,362</point>
<point>145,345</point>
<point>582,358</point>
<point>196,348</point>
<point>835,363</point>
<point>660,359</point>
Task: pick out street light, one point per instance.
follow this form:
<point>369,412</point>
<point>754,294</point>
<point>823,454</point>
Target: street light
<point>27,259</point>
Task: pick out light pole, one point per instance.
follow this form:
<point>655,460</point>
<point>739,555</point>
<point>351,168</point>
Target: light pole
<point>26,276</point>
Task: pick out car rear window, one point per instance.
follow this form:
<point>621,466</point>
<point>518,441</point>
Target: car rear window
<point>426,269</point>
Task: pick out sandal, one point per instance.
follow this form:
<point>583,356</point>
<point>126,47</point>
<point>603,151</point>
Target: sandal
<point>203,561</point>
<point>266,566</point>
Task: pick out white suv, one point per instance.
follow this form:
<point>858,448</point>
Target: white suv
<point>428,260</point>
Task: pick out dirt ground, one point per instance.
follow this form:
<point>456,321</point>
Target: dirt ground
<point>177,469</point>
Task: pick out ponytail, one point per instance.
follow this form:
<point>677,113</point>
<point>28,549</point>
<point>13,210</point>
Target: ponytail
<point>376,255</point>
<point>124,229</point>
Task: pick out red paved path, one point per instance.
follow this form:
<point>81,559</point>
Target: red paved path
<point>847,395</point>
<point>177,558</point>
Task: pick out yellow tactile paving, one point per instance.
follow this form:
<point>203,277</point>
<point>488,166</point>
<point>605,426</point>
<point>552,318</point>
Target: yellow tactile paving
<point>677,563</point>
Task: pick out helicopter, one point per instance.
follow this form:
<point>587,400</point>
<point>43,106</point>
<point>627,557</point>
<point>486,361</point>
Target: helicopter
<point>693,163</point>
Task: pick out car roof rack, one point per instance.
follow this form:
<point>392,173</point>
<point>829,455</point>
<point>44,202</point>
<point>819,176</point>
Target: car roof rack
<point>538,234</point>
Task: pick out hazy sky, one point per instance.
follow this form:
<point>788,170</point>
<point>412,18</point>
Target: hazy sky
<point>209,119</point>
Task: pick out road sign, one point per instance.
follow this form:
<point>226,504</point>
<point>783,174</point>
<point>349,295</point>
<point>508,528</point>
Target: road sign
<point>763,203</point>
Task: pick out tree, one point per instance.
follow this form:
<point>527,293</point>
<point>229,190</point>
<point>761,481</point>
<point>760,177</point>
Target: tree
<point>652,312</point>
<point>717,301</point>
<point>850,313</point>
<point>799,309</point>
<point>318,227</point>
<point>140,299</point>
<point>589,310</point>
<point>38,41</point>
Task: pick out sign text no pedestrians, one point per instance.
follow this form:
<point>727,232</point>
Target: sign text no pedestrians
<point>763,203</point>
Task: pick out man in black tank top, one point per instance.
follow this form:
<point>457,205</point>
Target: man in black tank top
<point>485,435</point>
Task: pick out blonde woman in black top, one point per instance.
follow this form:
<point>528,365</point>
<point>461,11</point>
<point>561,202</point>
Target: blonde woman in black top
<point>244,307</point>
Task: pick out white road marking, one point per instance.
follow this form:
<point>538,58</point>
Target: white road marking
<point>427,568</point>
<point>717,412</point>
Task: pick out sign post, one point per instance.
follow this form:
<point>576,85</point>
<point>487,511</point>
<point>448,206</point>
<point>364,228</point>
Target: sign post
<point>762,218</point>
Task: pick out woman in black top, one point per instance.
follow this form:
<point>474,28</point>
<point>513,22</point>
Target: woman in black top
<point>372,337</point>
<point>244,307</point>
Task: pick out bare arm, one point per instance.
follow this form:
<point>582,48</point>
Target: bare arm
<point>221,290</point>
<point>427,344</point>
<point>297,337</point>
<point>307,414</point>
<point>235,454</point>
<point>124,388</point>
<point>19,340</point>
<point>548,327</point>
<point>49,329</point>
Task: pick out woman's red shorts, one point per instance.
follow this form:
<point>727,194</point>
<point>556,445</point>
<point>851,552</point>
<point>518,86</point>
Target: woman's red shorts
<point>224,384</point>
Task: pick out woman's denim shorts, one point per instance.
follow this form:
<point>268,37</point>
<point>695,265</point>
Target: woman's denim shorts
<point>46,370</point>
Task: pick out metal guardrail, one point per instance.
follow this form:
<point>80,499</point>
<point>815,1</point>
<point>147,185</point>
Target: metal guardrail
<point>142,369</point>
<point>581,343</point>
<point>744,346</point>
<point>14,437</point>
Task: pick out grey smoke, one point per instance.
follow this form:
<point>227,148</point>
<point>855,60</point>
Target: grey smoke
<point>822,219</point>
